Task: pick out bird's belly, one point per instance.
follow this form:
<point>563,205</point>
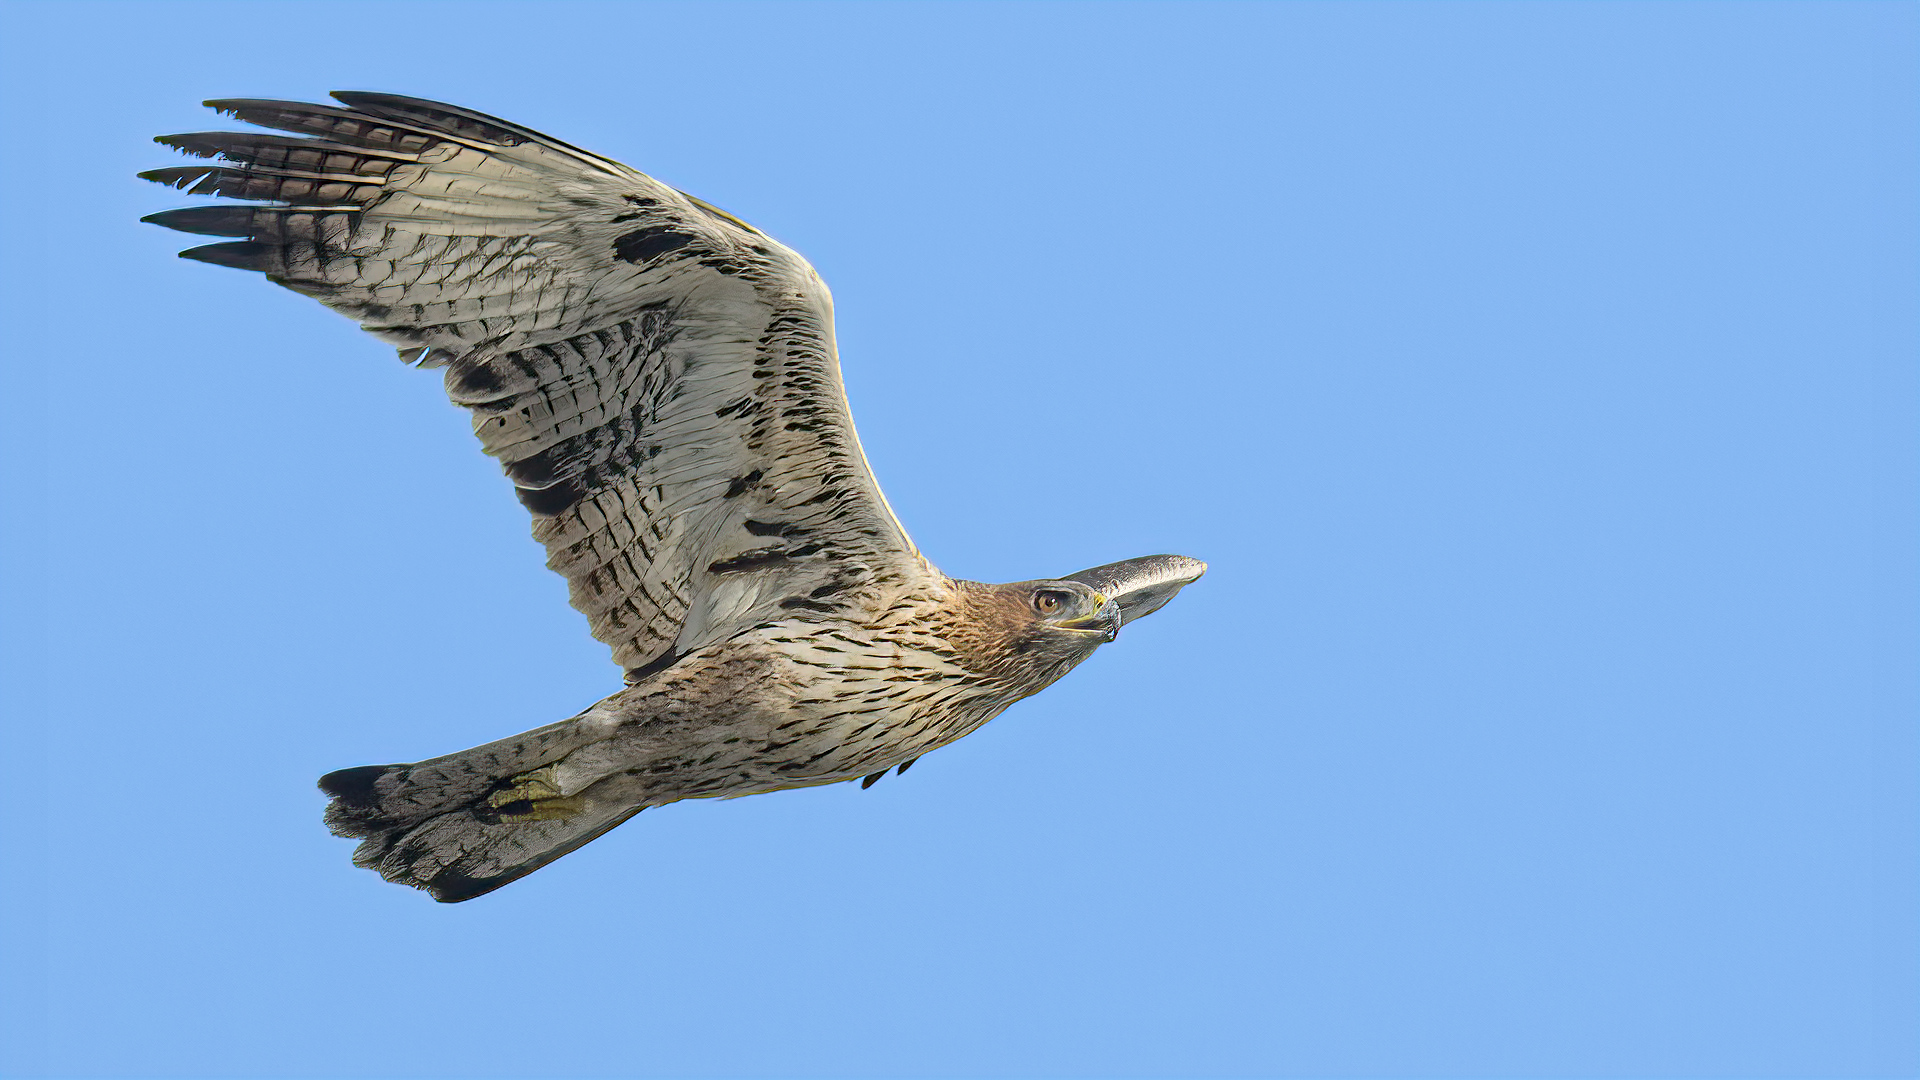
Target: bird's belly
<point>805,719</point>
<point>813,742</point>
<point>818,725</point>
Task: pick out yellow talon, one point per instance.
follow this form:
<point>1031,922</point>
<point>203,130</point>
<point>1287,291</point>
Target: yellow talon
<point>533,797</point>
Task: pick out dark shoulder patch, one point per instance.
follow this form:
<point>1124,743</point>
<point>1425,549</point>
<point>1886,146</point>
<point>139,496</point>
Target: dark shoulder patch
<point>646,245</point>
<point>551,500</point>
<point>740,484</point>
<point>665,660</point>
<point>752,560</point>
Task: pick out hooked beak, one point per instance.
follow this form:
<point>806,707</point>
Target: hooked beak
<point>1105,621</point>
<point>1141,586</point>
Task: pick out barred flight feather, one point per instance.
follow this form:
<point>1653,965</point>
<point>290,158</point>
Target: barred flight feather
<point>629,352</point>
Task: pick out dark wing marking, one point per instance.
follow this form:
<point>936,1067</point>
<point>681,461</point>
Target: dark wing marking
<point>656,377</point>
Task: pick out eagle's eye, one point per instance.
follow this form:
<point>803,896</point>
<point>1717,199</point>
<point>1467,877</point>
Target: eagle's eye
<point>1050,601</point>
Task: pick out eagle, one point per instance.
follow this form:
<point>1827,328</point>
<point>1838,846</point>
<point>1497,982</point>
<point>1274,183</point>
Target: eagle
<point>658,380</point>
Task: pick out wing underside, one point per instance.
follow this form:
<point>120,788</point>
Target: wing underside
<point>657,378</point>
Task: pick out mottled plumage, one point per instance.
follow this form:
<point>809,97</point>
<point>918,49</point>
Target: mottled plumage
<point>658,380</point>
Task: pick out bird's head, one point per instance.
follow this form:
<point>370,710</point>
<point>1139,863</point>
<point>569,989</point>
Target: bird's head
<point>1030,633</point>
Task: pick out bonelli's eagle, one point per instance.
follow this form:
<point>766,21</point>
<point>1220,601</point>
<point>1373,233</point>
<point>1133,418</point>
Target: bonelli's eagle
<point>658,380</point>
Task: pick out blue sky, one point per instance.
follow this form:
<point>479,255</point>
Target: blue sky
<point>1537,379</point>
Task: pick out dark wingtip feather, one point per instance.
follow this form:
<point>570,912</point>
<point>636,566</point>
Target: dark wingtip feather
<point>206,220</point>
<point>240,254</point>
<point>233,106</point>
<point>179,176</point>
<point>265,112</point>
<point>197,143</point>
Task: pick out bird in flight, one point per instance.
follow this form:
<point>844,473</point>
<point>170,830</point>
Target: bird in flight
<point>658,380</point>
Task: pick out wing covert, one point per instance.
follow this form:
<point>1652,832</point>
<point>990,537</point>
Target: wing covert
<point>657,378</point>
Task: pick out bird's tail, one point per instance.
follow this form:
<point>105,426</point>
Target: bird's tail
<point>467,823</point>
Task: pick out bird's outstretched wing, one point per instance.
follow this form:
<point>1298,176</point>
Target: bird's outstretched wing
<point>656,377</point>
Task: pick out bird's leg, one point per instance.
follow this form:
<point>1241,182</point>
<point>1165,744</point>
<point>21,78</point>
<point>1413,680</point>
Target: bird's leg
<point>532,797</point>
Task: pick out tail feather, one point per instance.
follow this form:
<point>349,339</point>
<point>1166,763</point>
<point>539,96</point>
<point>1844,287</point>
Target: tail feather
<point>371,798</point>
<point>465,824</point>
<point>458,856</point>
